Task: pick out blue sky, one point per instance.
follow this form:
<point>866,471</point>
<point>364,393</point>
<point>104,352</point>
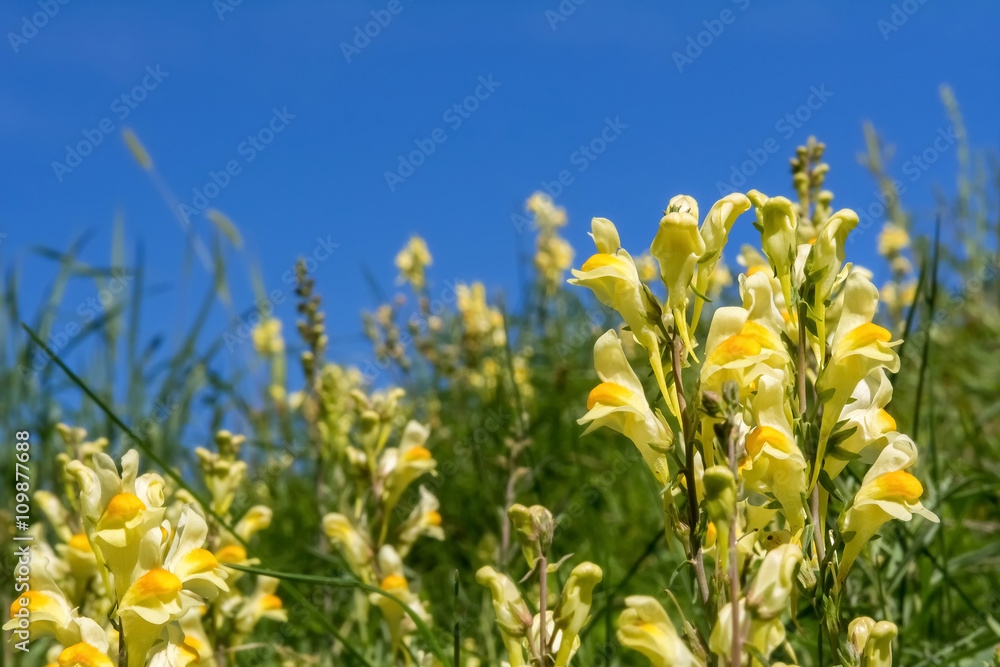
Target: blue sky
<point>310,116</point>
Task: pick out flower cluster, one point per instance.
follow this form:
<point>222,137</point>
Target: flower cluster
<point>553,253</point>
<point>761,417</point>
<point>134,577</point>
<point>550,637</point>
<point>382,516</point>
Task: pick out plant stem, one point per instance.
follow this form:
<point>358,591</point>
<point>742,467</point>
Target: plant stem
<point>694,539</point>
<point>543,575</point>
<point>734,578</point>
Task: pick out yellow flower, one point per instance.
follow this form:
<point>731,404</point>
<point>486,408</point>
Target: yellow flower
<point>777,219</point>
<point>117,512</point>
<point>873,426</point>
<point>612,276</point>
<point>892,240</point>
<point>84,655</point>
<point>825,260</point>
<point>355,545</point>
<point>774,584</point>
<point>870,642</point>
<point>394,583</point>
<point>763,635</point>
<point>512,614</point>
<point>741,351</point>
<point>424,519</point>
<point>677,247</point>
<point>262,604</point>
<point>573,608</point>
<point>399,467</point>
<point>165,588</point>
<point>547,215</point>
<point>267,338</point>
<point>859,348</point>
<point>646,266</point>
<point>715,232</point>
<point>774,464</point>
<point>411,262</point>
<point>645,627</point>
<point>887,492</point>
<point>619,403</point>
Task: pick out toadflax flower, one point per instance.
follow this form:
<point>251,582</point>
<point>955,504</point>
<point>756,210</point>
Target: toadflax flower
<point>677,247</point>
<point>859,348</point>
<point>887,492</point>
<point>645,627</point>
<point>165,587</point>
<point>399,467</point>
<point>573,609</point>
<point>612,276</point>
<point>512,614</point>
<point>619,403</point>
<point>117,513</point>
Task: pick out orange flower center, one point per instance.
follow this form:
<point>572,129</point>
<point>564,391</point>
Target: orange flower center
<point>200,560</point>
<point>394,582</point>
<point>602,259</point>
<point>417,453</point>
<point>434,518</point>
<point>83,655</point>
<point>122,509</point>
<point>234,553</point>
<point>865,335</point>
<point>609,393</point>
<point>734,348</point>
<point>767,435</point>
<point>271,602</point>
<point>79,542</point>
<point>898,484</point>
<point>154,584</point>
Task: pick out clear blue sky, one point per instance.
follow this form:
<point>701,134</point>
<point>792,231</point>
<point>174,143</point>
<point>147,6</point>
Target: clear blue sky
<point>213,78</point>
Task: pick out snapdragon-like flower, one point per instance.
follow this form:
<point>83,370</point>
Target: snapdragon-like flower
<point>355,544</point>
<point>619,403</point>
<point>512,614</point>
<point>774,464</point>
<point>262,604</point>
<point>612,276</point>
<point>859,349</point>
<point>715,232</point>
<point>424,519</point>
<point>872,425</point>
<point>777,219</point>
<point>824,266</point>
<point>887,492</point>
<point>399,467</point>
<point>645,627</point>
<point>677,247</point>
<point>573,609</point>
<point>164,588</point>
<point>117,513</point>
